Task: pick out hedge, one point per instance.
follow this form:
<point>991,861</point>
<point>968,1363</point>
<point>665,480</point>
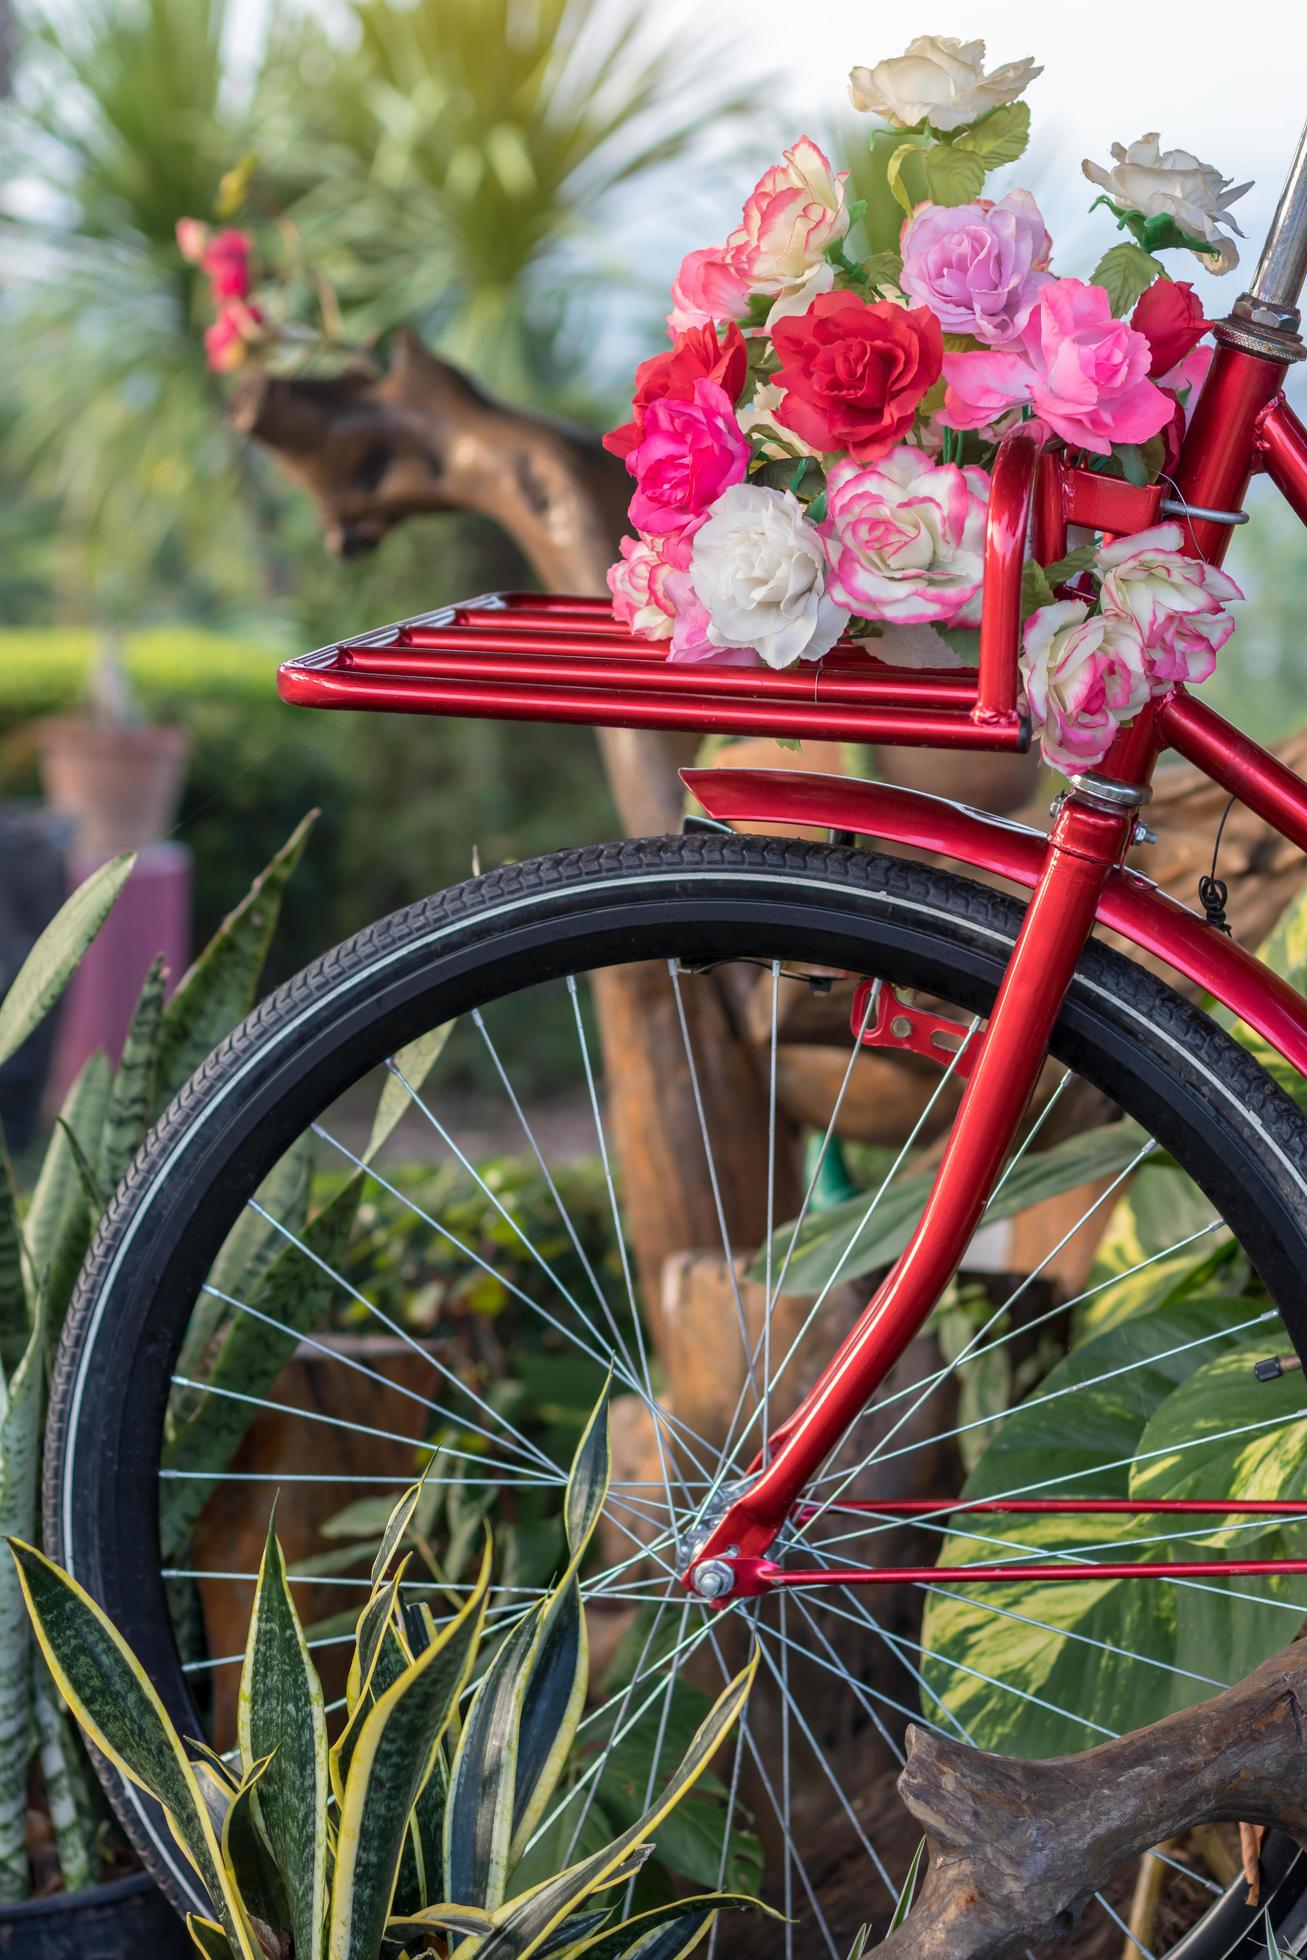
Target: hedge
<point>404,800</point>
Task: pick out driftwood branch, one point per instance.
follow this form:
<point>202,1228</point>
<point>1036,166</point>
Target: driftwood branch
<point>1017,1849</point>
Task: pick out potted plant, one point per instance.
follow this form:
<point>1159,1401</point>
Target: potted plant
<point>420,1828</point>
<point>118,776</point>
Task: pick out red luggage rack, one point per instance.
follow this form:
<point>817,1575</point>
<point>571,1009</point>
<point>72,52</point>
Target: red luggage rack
<point>532,657</point>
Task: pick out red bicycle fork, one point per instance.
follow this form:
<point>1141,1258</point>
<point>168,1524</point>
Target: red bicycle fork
<point>1091,834</point>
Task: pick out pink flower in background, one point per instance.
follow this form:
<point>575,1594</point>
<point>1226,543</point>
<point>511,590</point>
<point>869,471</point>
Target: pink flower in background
<point>237,328</point>
<point>1084,676</point>
<point>226,259</point>
<point>1085,373</point>
<point>794,212</point>
<point>706,289</point>
<point>1176,603</point>
<point>638,583</point>
<point>690,452</point>
<point>192,238</point>
<point>906,538</point>
<point>979,266</point>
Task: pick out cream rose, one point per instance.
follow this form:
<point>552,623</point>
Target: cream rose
<point>759,571</point>
<point>1173,184</point>
<point>757,418</point>
<point>939,80</point>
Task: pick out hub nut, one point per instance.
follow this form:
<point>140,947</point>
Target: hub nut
<point>713,1579</point>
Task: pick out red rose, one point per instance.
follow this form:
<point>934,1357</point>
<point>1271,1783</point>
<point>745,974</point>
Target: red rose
<point>1170,317</point>
<point>695,355</point>
<point>854,371</point>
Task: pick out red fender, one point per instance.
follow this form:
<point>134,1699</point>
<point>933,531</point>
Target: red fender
<point>1131,905</point>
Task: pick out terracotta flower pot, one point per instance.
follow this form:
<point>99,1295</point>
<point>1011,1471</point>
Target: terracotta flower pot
<point>120,785</point>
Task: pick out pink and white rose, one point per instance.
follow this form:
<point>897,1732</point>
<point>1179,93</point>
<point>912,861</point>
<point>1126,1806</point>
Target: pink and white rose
<point>707,289</point>
<point>760,573</point>
<point>690,451</point>
<point>795,211</point>
<point>940,80</point>
<point>906,538</point>
<point>1176,603</point>
<point>638,583</point>
<point>1085,373</point>
<point>1084,677</point>
<point>978,267</point>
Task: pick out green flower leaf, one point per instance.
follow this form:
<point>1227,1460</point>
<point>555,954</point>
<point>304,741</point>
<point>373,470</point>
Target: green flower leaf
<point>1124,273</point>
<point>884,270</point>
<point>954,175</point>
<point>1063,569</point>
<point>1000,137</point>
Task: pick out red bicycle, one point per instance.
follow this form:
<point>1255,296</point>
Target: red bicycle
<point>1086,1571</point>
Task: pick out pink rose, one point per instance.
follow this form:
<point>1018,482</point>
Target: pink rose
<point>638,583</point>
<point>705,290</point>
<point>794,212</point>
<point>978,267</point>
<point>226,259</point>
<point>238,328</point>
<point>192,239</point>
<point>1176,603</point>
<point>1084,677</point>
<point>906,538</point>
<point>690,452</point>
<point>1085,373</point>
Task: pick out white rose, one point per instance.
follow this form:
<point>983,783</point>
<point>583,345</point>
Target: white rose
<point>757,418</point>
<point>939,80</point>
<point>758,569</point>
<point>797,298</point>
<point>1172,184</point>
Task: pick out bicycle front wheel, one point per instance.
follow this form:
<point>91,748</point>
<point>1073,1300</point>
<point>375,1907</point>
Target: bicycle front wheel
<point>388,1216</point>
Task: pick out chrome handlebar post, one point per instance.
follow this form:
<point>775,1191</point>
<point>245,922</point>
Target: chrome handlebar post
<point>1265,319</point>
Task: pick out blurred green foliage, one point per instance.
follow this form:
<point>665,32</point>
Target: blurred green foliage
<point>404,801</point>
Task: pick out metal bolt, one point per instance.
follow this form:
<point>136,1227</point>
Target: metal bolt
<point>713,1579</point>
<point>1143,835</point>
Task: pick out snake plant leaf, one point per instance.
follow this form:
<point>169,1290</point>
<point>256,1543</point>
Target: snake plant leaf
<point>21,1407</point>
<point>446,1918</point>
<point>64,1779</point>
<point>384,1660</point>
<point>15,1312</point>
<point>114,1701</point>
<point>665,1932</point>
<point>221,987</point>
<point>57,1226</point>
<point>249,1249</point>
<point>588,1478</point>
<point>216,1791</point>
<point>248,1858</point>
<point>280,1722</point>
<point>404,1082</point>
<point>132,1098</point>
<point>294,1298</point>
<point>525,1924</point>
<point>907,1891</point>
<point>395,1755</point>
<point>53,960</point>
<point>482,1779</point>
<point>87,1179</point>
<point>401,1517</point>
<point>864,1234</point>
<point>208,1937</point>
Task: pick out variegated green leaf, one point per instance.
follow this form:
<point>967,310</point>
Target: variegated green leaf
<point>88,1181</point>
<point>412,1066</point>
<point>64,1780</point>
<point>587,1482</point>
<point>559,1669</point>
<point>20,1454</point>
<point>395,1755</point>
<point>132,1099</point>
<point>57,1226</point>
<point>296,1294</point>
<point>221,987</point>
<point>280,1718</point>
<point>531,1920</point>
<point>208,1937</point>
<point>15,1312</point>
<point>482,1779</point>
<point>907,1891</point>
<point>686,1920</point>
<point>248,1859</point>
<point>859,1239</point>
<point>447,1918</point>
<point>397,1525</point>
<point>385,1660</point>
<point>53,960</point>
<point>113,1699</point>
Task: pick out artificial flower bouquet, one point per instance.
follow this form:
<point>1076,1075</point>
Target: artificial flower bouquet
<point>812,454</point>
